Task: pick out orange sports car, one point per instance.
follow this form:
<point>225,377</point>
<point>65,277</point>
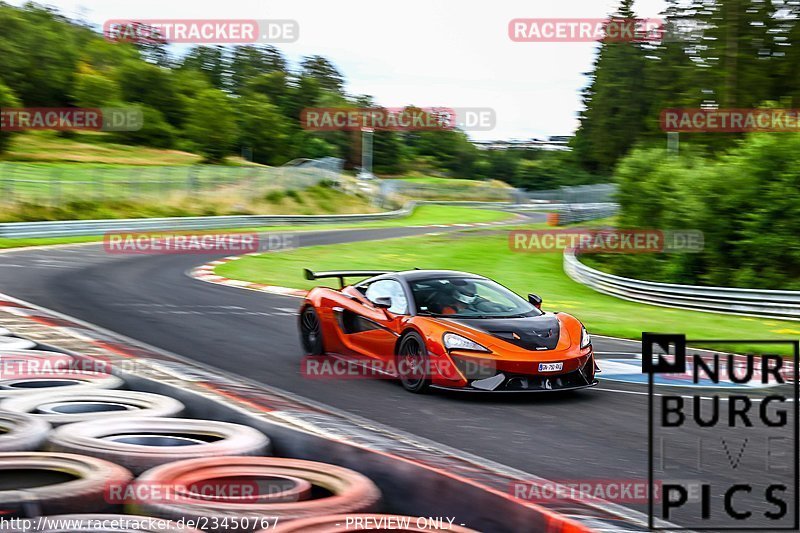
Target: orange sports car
<point>446,329</point>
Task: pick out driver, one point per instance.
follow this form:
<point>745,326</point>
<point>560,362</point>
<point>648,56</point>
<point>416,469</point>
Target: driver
<point>460,296</point>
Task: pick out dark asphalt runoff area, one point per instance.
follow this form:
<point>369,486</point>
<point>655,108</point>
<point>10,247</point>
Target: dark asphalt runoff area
<point>593,434</point>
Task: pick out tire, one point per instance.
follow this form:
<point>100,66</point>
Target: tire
<point>102,523</point>
<point>338,490</point>
<point>141,443</point>
<point>29,382</point>
<point>412,362</point>
<point>15,343</point>
<point>21,433</point>
<point>79,405</point>
<point>339,523</point>
<point>4,332</point>
<point>57,483</point>
<point>311,332</point>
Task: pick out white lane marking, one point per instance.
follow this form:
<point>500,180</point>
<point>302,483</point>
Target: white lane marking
<point>155,304</point>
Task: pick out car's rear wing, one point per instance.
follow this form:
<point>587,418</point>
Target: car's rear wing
<point>341,274</point>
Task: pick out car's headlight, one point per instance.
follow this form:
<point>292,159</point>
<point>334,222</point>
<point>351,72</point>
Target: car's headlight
<point>586,339</point>
<point>457,342</point>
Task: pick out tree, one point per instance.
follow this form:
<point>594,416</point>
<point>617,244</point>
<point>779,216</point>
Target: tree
<point>153,86</point>
<point>251,62</point>
<point>155,131</point>
<point>38,54</point>
<point>93,89</point>
<point>211,125</point>
<point>273,85</point>
<point>7,99</point>
<point>211,61</point>
<point>615,105</point>
<point>263,129</point>
<point>324,72</point>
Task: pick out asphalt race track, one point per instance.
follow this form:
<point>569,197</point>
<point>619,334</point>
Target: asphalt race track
<point>598,433</point>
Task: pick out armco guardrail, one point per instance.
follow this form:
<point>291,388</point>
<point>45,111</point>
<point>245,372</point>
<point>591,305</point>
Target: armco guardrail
<point>66,228</point>
<point>749,302</point>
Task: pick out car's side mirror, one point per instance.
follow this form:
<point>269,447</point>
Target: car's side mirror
<point>384,302</point>
<point>535,300</point>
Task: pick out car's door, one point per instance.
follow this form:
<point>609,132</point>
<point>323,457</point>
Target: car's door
<point>369,330</point>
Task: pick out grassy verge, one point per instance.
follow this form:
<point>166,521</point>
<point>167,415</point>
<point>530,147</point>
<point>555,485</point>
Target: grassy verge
<point>489,255</point>
<point>423,215</point>
<point>422,179</point>
<point>317,199</point>
<point>93,147</point>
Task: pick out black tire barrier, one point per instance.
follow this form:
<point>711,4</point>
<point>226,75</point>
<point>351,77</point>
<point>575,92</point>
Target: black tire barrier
<point>107,523</point>
<point>21,433</point>
<point>368,522</point>
<point>38,483</point>
<point>20,383</point>
<point>70,406</point>
<point>141,443</point>
<point>336,490</point>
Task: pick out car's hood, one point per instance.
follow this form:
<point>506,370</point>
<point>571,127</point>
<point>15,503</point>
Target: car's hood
<point>530,333</point>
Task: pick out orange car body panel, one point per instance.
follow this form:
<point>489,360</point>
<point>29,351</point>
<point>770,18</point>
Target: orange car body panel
<point>380,341</point>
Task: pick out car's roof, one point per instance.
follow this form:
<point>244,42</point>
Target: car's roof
<point>415,275</point>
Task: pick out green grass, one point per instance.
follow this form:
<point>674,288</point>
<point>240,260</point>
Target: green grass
<point>423,215</point>
<point>490,255</point>
<point>92,147</point>
<point>435,180</point>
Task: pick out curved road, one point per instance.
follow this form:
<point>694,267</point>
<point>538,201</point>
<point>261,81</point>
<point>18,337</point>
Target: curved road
<point>599,433</point>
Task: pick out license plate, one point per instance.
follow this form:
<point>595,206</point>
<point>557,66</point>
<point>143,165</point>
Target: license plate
<point>550,367</point>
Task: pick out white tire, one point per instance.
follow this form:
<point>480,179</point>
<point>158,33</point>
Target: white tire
<point>20,432</point>
<point>4,332</point>
<point>59,407</point>
<point>15,343</point>
<point>37,382</point>
<point>143,443</point>
<point>64,483</point>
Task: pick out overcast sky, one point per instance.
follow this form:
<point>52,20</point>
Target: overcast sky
<point>449,53</point>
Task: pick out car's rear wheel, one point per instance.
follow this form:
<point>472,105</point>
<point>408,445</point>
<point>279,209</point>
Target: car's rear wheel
<point>311,332</point>
<point>412,363</point>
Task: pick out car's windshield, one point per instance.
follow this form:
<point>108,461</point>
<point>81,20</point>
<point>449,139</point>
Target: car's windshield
<point>468,298</point>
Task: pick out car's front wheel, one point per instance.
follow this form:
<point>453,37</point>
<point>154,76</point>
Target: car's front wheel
<point>311,332</point>
<point>412,363</point>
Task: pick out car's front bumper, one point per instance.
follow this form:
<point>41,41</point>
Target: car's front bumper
<point>503,380</point>
<point>469,388</point>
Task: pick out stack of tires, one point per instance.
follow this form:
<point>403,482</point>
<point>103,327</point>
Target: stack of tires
<point>75,447</point>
